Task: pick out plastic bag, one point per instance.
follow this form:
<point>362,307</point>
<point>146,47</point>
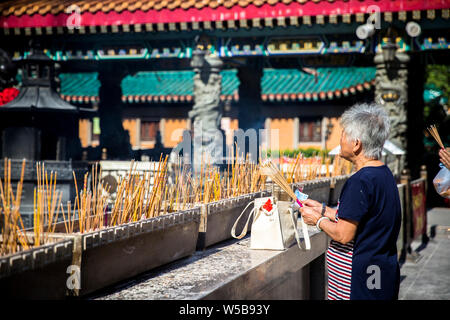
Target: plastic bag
<point>442,182</point>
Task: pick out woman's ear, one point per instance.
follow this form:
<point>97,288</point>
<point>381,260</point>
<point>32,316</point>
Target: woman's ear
<point>357,146</point>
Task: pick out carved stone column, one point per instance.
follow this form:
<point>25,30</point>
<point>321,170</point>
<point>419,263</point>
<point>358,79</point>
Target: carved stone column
<point>391,92</point>
<point>206,113</point>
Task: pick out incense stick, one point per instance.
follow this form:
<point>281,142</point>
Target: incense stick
<point>268,168</point>
<point>13,238</point>
<point>433,131</point>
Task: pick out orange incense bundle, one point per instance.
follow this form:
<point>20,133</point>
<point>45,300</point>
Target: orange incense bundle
<point>433,131</point>
<point>269,169</point>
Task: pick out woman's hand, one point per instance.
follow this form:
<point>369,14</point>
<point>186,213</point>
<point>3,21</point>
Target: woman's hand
<point>310,215</point>
<point>444,156</point>
<point>312,204</point>
<point>317,206</point>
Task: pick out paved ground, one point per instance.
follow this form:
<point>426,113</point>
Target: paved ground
<point>429,277</point>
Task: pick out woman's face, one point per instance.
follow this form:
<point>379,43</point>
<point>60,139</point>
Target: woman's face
<point>346,147</point>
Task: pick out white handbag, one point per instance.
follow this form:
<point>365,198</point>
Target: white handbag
<point>274,225</point>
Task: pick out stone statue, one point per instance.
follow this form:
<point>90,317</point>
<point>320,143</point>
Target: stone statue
<point>206,113</point>
<point>391,92</point>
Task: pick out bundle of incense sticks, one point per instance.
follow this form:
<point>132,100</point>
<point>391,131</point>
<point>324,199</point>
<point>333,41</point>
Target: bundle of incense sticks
<point>327,164</point>
<point>433,131</point>
<point>179,188</point>
<point>305,169</point>
<point>128,204</point>
<point>244,176</point>
<point>46,205</point>
<point>240,177</point>
<point>13,238</point>
<point>137,199</point>
<point>269,169</point>
<point>292,169</point>
<point>158,192</point>
<point>89,204</point>
<point>140,196</point>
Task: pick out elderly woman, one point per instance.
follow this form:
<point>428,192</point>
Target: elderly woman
<point>444,157</point>
<point>362,256</point>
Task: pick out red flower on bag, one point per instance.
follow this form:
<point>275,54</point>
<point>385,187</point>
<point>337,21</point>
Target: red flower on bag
<point>268,205</point>
<point>8,95</point>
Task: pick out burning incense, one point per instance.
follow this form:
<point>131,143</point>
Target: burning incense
<point>90,204</point>
<point>46,205</point>
<point>13,238</point>
<point>433,131</point>
<point>327,164</point>
<point>269,169</point>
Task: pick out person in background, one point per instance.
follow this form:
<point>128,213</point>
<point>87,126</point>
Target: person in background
<point>444,157</point>
<point>441,181</point>
<point>362,257</point>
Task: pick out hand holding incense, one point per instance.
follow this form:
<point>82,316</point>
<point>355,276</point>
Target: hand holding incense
<point>269,169</point>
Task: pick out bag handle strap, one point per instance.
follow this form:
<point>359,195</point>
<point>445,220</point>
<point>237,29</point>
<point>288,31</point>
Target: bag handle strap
<point>297,236</point>
<point>304,229</point>
<point>306,235</point>
<point>244,231</point>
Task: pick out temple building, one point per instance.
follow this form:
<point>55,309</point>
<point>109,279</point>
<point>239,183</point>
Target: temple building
<point>159,101</point>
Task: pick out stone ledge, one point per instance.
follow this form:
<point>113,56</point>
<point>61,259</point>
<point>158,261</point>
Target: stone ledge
<point>219,271</point>
<point>35,257</point>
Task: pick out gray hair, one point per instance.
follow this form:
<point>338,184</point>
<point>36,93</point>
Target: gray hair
<point>368,123</point>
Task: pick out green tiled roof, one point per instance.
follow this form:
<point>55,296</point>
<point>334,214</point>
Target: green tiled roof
<point>326,83</point>
<point>78,87</point>
<point>177,86</point>
<point>160,83</point>
<point>171,85</point>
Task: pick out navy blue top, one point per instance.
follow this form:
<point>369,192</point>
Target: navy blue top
<point>370,197</point>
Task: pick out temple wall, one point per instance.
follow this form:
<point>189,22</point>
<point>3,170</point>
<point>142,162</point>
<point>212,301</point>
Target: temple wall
<point>171,130</point>
<point>84,132</point>
<point>285,133</point>
<point>335,135</point>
